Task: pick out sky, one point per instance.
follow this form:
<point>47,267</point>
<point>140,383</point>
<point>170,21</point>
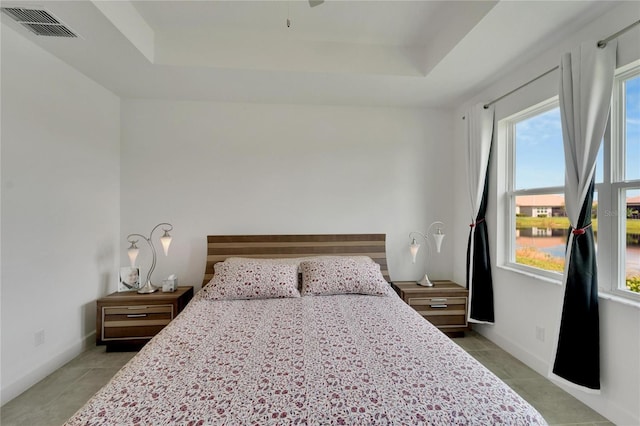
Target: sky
<point>539,151</point>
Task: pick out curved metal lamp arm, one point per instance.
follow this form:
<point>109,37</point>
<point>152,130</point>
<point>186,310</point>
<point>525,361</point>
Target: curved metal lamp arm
<point>426,234</point>
<point>417,232</point>
<point>415,247</point>
<point>149,286</point>
<point>437,222</point>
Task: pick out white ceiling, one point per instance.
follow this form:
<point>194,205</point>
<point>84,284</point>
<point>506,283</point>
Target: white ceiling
<point>396,53</point>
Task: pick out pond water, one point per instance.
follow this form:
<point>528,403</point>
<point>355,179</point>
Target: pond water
<point>553,241</point>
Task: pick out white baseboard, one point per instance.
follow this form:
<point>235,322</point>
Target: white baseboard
<point>606,407</point>
<point>30,378</point>
<point>533,361</point>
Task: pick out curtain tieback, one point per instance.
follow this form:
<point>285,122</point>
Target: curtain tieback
<point>475,223</point>
<point>581,231</point>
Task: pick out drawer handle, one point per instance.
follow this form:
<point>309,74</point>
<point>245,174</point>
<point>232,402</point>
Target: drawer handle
<point>443,305</point>
<point>439,300</point>
<point>136,315</point>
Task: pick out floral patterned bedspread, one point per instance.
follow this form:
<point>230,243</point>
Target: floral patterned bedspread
<point>346,359</point>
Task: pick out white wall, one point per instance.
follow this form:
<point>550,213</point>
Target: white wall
<point>523,303</point>
<point>60,209</point>
<point>214,168</point>
<point>211,168</point>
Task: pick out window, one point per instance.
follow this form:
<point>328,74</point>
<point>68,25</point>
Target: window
<point>537,219</point>
<point>536,225</point>
<point>625,179</point>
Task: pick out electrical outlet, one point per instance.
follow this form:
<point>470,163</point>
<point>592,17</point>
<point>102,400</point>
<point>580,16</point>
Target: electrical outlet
<point>38,338</point>
<point>540,333</point>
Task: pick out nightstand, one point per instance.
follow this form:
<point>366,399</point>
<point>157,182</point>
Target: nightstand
<point>128,320</point>
<point>444,305</point>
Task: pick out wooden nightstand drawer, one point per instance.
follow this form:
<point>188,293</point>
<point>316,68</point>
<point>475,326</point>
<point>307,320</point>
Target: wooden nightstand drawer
<point>132,319</point>
<point>134,322</point>
<point>445,322</point>
<point>137,313</point>
<point>143,331</point>
<point>439,305</point>
<point>443,305</point>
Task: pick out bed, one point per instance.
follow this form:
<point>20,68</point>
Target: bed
<point>334,353</point>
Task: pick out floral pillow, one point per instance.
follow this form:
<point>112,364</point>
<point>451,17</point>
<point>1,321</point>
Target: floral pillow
<point>252,280</point>
<point>295,260</point>
<point>279,260</point>
<point>342,275</point>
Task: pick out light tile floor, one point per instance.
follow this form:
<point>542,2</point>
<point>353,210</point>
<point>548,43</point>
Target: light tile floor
<point>54,399</point>
<point>556,406</point>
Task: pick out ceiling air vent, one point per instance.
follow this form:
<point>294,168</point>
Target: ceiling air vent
<point>39,22</point>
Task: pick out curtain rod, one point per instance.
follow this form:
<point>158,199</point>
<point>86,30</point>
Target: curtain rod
<point>601,43</point>
<point>488,104</point>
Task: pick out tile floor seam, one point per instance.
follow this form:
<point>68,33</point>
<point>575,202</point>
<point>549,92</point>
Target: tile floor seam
<point>60,394</point>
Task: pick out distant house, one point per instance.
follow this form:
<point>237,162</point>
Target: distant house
<point>633,206</point>
<point>553,206</point>
<point>540,205</point>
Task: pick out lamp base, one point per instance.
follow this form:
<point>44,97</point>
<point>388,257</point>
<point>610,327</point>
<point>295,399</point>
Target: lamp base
<point>425,282</point>
<point>147,288</point>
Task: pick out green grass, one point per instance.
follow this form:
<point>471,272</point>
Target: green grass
<point>533,257</point>
<point>542,222</point>
<point>633,225</point>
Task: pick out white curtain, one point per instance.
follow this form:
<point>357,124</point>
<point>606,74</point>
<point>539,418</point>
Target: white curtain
<point>586,84</point>
<point>479,136</point>
<point>479,281</point>
<point>585,98</point>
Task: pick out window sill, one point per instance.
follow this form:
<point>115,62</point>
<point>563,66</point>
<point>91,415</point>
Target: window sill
<point>531,274</point>
<point>605,295</point>
<point>602,293</point>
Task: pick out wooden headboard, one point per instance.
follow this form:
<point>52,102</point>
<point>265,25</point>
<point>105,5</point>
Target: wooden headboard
<point>219,247</point>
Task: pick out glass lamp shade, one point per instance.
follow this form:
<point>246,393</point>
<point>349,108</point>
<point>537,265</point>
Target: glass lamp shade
<point>413,248</point>
<point>166,242</point>
<point>132,252</point>
<point>438,236</point>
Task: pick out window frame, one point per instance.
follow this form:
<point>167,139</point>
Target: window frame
<point>611,204</point>
<point>508,126</point>
<point>618,182</point>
